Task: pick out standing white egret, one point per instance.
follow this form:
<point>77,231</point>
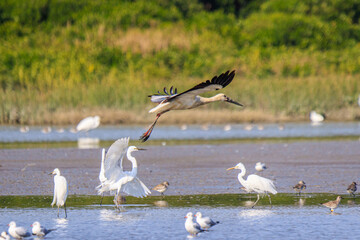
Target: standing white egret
<point>4,236</point>
<point>39,230</point>
<point>190,98</point>
<point>316,117</point>
<point>17,232</point>
<point>255,183</point>
<point>205,222</point>
<point>192,227</point>
<point>60,190</point>
<point>118,179</point>
<point>259,166</point>
<point>102,177</point>
<point>88,124</point>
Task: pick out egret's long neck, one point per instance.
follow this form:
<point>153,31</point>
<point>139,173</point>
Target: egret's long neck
<point>134,163</point>
<point>241,175</point>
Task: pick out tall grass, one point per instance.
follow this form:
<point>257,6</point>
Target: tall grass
<point>65,57</point>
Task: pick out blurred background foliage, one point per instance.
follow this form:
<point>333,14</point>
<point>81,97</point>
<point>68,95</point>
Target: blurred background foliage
<point>291,56</point>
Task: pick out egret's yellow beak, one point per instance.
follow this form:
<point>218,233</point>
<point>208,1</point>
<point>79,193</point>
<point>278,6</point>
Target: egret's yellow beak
<point>230,168</point>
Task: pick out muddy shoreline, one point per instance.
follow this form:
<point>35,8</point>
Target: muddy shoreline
<point>326,166</point>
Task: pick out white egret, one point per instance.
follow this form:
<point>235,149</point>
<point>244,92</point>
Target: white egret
<point>4,236</point>
<point>352,189</point>
<point>102,177</point>
<point>300,186</point>
<point>205,222</point>
<point>227,127</point>
<point>118,179</point>
<point>162,187</point>
<point>192,227</point>
<point>259,166</point>
<point>60,190</point>
<point>17,232</point>
<point>39,230</point>
<point>255,183</point>
<point>88,124</point>
<point>333,204</point>
<point>316,117</point>
<point>190,98</point>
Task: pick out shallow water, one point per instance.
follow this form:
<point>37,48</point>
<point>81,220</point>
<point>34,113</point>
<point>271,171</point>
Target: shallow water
<point>148,221</point>
<point>211,132</point>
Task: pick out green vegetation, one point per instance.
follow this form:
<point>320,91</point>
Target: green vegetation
<point>291,56</point>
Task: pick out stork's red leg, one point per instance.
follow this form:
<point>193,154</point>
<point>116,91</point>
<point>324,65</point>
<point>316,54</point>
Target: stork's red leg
<point>146,135</point>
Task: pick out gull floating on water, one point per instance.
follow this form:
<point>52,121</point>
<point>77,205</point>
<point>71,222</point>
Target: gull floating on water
<point>17,232</point>
<point>46,130</point>
<point>333,204</point>
<point>4,236</point>
<point>24,129</point>
<point>205,222</point>
<point>259,166</point>
<point>299,187</point>
<point>192,227</point>
<point>227,127</point>
<point>189,99</point>
<point>60,190</point>
<point>162,187</point>
<point>88,124</point>
<point>255,183</point>
<point>316,117</point>
<point>39,230</point>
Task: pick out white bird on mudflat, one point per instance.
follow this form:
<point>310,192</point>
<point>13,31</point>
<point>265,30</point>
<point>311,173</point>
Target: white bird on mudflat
<point>88,124</point>
<point>190,98</point>
<point>39,230</point>
<point>255,183</point>
<point>316,117</point>
<point>118,179</point>
<point>60,190</point>
<point>192,227</point>
<point>205,222</point>
<point>259,166</point>
<point>4,236</point>
<point>17,232</point>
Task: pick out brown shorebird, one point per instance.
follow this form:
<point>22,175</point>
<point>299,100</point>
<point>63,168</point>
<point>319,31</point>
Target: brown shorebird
<point>352,189</point>
<point>333,204</point>
<point>189,99</point>
<point>162,187</point>
<point>299,187</point>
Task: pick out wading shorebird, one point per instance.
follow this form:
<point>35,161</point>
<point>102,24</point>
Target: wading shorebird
<point>190,98</point>
<point>255,183</point>
<point>299,187</point>
<point>60,190</point>
<point>162,187</point>
<point>352,189</point>
<point>333,204</point>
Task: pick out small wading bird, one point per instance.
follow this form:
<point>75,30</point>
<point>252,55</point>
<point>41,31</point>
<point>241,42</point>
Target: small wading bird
<point>255,183</point>
<point>88,124</point>
<point>115,178</point>
<point>17,232</point>
<point>352,189</point>
<point>162,187</point>
<point>190,98</point>
<point>192,227</point>
<point>205,222</point>
<point>60,190</point>
<point>259,166</point>
<point>333,204</point>
<point>299,187</point>
<point>39,230</point>
<point>4,236</point>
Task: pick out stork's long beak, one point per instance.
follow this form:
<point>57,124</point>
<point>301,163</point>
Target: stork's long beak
<point>232,101</point>
<point>230,168</point>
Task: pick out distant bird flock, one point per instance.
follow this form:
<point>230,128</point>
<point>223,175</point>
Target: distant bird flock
<point>114,180</point>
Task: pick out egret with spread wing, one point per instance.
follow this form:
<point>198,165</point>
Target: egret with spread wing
<point>255,183</point>
<point>190,98</point>
<point>115,178</point>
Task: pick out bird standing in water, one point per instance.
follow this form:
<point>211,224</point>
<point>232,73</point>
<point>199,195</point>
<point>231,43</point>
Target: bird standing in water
<point>299,187</point>
<point>190,98</point>
<point>60,190</point>
<point>352,189</point>
<point>333,204</point>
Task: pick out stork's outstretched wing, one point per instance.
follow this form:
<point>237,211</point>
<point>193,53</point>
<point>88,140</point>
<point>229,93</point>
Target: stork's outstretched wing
<point>114,158</point>
<point>159,97</point>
